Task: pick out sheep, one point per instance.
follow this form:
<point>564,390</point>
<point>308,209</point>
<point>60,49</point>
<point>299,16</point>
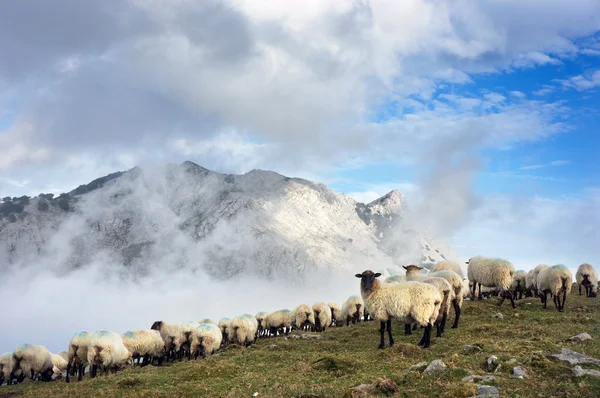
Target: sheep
<point>444,288</point>
<point>77,355</point>
<point>31,360</point>
<point>303,317</point>
<point>242,330</point>
<point>107,349</point>
<point>5,367</point>
<point>533,278</point>
<point>466,289</point>
<point>172,335</point>
<point>517,287</point>
<point>260,318</point>
<point>492,272</point>
<point>395,279</point>
<point>335,312</point>
<point>586,276</point>
<point>59,364</point>
<point>556,280</point>
<point>530,283</point>
<point>408,302</point>
<point>207,320</point>
<point>146,345</point>
<point>352,310</point>
<point>278,320</point>
<point>186,341</point>
<point>207,339</point>
<point>322,316</point>
<point>224,325</point>
<point>413,273</point>
<point>448,265</point>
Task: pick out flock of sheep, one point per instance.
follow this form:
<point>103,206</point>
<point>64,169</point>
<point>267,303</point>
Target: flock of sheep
<point>418,298</point>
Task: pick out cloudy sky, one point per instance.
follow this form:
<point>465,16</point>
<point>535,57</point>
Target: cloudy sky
<point>483,113</point>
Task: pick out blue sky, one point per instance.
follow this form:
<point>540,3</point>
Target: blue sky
<point>484,113</point>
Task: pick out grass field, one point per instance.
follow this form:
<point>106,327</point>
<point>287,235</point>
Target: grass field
<point>348,356</point>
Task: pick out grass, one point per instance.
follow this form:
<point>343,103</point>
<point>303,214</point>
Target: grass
<point>348,356</point>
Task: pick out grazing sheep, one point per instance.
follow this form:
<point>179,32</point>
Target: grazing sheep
<point>556,280</point>
<point>107,350</point>
<point>77,355</point>
<point>352,310</point>
<point>145,345</point>
<point>444,288</point>
<point>448,265</point>
<point>186,341</point>
<point>335,312</point>
<point>303,317</point>
<point>224,325</point>
<point>279,319</point>
<point>59,365</point>
<point>409,302</point>
<point>207,320</point>
<point>173,337</point>
<point>322,316</point>
<point>587,277</point>
<point>260,318</point>
<point>243,330</point>
<point>534,276</point>
<point>492,272</point>
<point>31,360</point>
<point>5,367</point>
<point>517,287</point>
<point>207,339</point>
<point>530,284</point>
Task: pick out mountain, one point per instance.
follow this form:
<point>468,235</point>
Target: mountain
<point>186,216</point>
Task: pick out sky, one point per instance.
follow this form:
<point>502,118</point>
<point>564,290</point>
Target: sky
<point>483,113</point>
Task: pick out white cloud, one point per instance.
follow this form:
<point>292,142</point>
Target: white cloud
<point>582,82</point>
<point>518,94</point>
<point>560,162</point>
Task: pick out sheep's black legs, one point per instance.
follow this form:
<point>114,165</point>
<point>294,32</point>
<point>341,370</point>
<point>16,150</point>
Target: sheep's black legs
<point>389,330</point>
<point>562,308</point>
<point>407,329</point>
<point>512,302</point>
<point>68,372</point>
<point>381,334</point>
<point>426,339</point>
<point>545,299</point>
<point>456,313</point>
<point>502,298</point>
<point>580,290</point>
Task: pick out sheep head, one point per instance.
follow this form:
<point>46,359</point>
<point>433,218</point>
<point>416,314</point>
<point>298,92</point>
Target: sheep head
<point>367,279</point>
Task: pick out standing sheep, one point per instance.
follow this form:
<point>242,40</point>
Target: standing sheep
<point>409,302</point>
<point>517,287</point>
<point>224,325</point>
<point>207,339</point>
<point>31,360</point>
<point>322,316</point>
<point>556,280</point>
<point>145,345</point>
<point>260,318</point>
<point>77,355</point>
<point>335,312</point>
<point>587,277</point>
<point>303,317</point>
<point>352,310</point>
<point>492,272</point>
<point>534,276</point>
<point>5,367</point>
<point>186,340</point>
<point>448,265</point>
<point>243,330</point>
<point>173,337</point>
<point>108,351</point>
<point>530,284</point>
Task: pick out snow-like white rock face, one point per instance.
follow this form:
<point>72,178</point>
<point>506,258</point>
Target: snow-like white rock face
<point>185,216</point>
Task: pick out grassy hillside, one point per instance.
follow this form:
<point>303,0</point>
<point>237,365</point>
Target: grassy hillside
<point>348,356</point>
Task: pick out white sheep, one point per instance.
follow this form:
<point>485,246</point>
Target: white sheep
<point>243,330</point>
<point>224,325</point>
<point>303,317</point>
<point>530,283</point>
<point>31,360</point>
<point>322,316</point>
<point>107,350</point>
<point>352,310</point>
<point>518,285</point>
<point>448,265</point>
<point>173,337</point>
<point>207,320</point>
<point>395,279</point>
<point>492,272</point>
<point>466,289</point>
<point>556,280</point>
<point>5,367</point>
<point>280,319</point>
<point>77,354</point>
<point>146,345</point>
<point>260,318</point>
<point>336,311</point>
<point>207,339</point>
<point>187,329</point>
<point>534,276</point>
<point>587,277</point>
<point>408,302</point>
<point>59,365</point>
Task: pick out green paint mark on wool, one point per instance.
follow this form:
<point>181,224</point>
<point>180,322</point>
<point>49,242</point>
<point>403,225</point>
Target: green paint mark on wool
<point>560,266</point>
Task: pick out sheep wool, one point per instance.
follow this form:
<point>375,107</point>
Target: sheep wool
<point>444,288</point>
<point>279,319</point>
<point>207,320</point>
<point>224,325</point>
<point>207,339</point>
<point>556,280</point>
<point>303,317</point>
<point>492,272</point>
<point>59,365</point>
<point>108,351</point>
<point>260,318</point>
<point>77,354</point>
<point>243,330</point>
<point>353,310</point>
<point>518,283</point>
<point>395,279</point>
<point>172,335</point>
<point>466,291</point>
<point>587,277</point>
<point>322,316</point>
<point>32,360</point>
<point>448,265</point>
<point>409,302</point>
<point>145,344</point>
<point>336,311</point>
<point>5,366</point>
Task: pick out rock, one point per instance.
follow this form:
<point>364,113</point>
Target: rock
<point>511,361</point>
<point>470,349</point>
<point>498,315</point>
<point>311,336</point>
<point>575,358</point>
<point>360,391</point>
<point>578,371</point>
<point>493,365</point>
<point>435,367</point>
<point>478,378</point>
<point>272,346</point>
<point>581,337</point>
<point>517,315</point>
<point>520,372</point>
<point>418,367</point>
<point>386,386</point>
<point>484,391</point>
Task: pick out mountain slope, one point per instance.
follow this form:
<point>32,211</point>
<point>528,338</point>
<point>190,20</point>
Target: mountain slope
<point>185,216</point>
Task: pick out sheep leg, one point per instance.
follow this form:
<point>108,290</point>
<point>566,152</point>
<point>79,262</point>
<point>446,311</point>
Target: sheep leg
<point>80,372</point>
<point>512,302</point>
<point>389,330</point>
<point>502,298</point>
<point>480,296</point>
<point>556,304</point>
<point>68,372</point>
<point>443,324</point>
<point>562,308</point>
<point>381,334</point>
<point>545,299</point>
<point>580,290</point>
<point>407,329</point>
<point>456,314</point>
<point>415,327</point>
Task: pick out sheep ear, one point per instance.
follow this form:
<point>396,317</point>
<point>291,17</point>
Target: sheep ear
<point>404,267</point>
<point>358,275</point>
<point>377,274</point>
